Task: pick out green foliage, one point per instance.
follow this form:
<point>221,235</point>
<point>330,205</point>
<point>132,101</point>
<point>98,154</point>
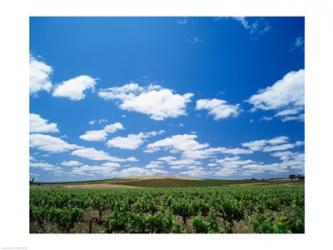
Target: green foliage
<point>212,222</point>
<point>117,222</point>
<point>182,208</point>
<point>200,225</point>
<point>177,210</point>
<point>136,223</point>
<point>159,222</point>
<point>64,218</point>
<point>231,210</point>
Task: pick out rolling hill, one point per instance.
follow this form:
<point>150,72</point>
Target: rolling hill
<point>160,182</point>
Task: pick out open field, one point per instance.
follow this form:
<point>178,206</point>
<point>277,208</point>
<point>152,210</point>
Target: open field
<point>168,205</point>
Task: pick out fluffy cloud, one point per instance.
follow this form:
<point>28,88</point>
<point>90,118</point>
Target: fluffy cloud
<point>157,102</point>
<point>50,143</point>
<point>192,153</point>
<point>111,128</point>
<point>93,154</point>
<point>255,145</point>
<point>132,141</point>
<point>41,125</point>
<point>40,74</point>
<point>99,155</point>
<point>231,165</point>
<point>175,163</point>
<point>254,169</point>
<point>259,145</point>
<point>74,88</point>
<point>45,166</point>
<point>279,147</point>
<point>195,171</point>
<point>176,143</point>
<point>124,92</point>
<point>286,97</point>
<point>71,163</point>
<point>190,148</point>
<point>235,160</point>
<point>291,162</point>
<point>136,171</point>
<point>94,135</point>
<point>100,135</point>
<point>104,169</point>
<point>131,159</point>
<point>167,158</point>
<point>278,140</point>
<point>133,171</point>
<point>233,151</point>
<point>275,144</point>
<point>154,165</point>
<point>218,108</point>
<point>212,151</point>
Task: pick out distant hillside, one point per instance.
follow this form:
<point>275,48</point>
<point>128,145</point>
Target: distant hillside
<point>163,182</point>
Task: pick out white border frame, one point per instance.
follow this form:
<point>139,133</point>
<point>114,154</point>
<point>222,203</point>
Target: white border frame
<point>14,51</point>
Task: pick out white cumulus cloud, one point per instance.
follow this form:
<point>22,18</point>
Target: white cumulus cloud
<point>41,125</point>
<point>176,143</point>
<point>111,128</point>
<point>104,169</point>
<point>218,108</point>
<point>71,163</point>
<point>131,141</point>
<point>45,166</point>
<point>157,102</point>
<point>99,155</point>
<point>196,171</point>
<point>94,135</point>
<point>231,165</point>
<point>279,147</point>
<point>264,144</point>
<point>233,151</point>
<point>93,154</point>
<point>190,148</point>
<point>137,171</point>
<point>50,143</point>
<point>40,74</point>
<point>74,88</point>
<point>286,97</point>
<point>100,135</point>
<point>154,165</point>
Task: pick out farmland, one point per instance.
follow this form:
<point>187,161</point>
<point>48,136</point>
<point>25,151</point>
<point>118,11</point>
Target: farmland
<point>168,205</point>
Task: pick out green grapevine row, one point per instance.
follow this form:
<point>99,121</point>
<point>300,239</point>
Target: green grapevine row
<point>178,210</point>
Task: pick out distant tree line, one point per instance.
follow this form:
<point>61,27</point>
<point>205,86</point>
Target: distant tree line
<point>298,177</point>
<point>32,182</point>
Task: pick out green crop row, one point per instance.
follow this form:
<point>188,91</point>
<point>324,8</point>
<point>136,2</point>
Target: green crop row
<point>182,210</point>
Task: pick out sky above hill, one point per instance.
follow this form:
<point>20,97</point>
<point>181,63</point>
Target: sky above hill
<point>204,97</point>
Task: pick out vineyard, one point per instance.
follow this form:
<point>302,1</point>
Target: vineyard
<point>265,209</point>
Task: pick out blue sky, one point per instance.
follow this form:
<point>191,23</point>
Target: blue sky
<point>205,97</point>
